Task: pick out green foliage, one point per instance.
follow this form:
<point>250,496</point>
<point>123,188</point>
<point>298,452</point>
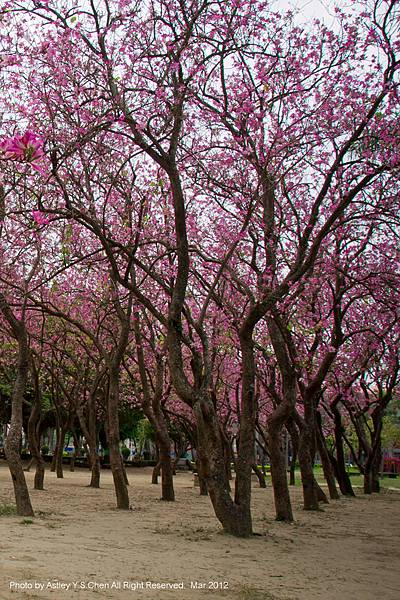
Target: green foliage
<point>135,426</point>
<point>46,401</point>
<point>129,418</point>
<point>390,432</point>
<point>5,388</point>
<point>7,509</point>
<point>393,409</point>
<point>125,452</point>
<point>66,245</point>
<point>44,450</point>
<point>144,431</point>
<point>7,374</point>
<point>175,432</point>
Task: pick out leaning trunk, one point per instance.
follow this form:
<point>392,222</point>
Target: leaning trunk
<point>202,480</point>
<point>90,432</point>
<point>326,463</point>
<point>371,474</point>
<point>121,490</point>
<point>246,443</point>
<point>13,441</point>
<point>163,442</point>
<point>260,476</point>
<point>340,465</point>
<point>157,467</point>
<point>294,437</point>
<point>310,491</point>
<point>156,473</point>
<point>278,420</point>
<point>374,459</point>
<point>167,480</point>
<point>283,507</point>
<point>95,469</point>
<point>34,444</point>
<point>94,458</point>
<point>60,452</point>
<point>233,517</point>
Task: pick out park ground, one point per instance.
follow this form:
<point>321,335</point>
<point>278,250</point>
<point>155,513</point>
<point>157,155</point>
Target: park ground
<point>348,551</point>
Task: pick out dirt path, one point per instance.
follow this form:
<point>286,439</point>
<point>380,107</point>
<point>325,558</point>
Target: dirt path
<point>351,551</point>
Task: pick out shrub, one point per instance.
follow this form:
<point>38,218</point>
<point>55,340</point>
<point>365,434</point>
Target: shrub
<point>7,509</point>
<point>125,452</point>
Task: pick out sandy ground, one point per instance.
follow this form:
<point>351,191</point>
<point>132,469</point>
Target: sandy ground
<point>79,544</point>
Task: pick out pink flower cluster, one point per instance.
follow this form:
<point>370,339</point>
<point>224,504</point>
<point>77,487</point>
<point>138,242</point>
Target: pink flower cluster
<point>40,218</point>
<point>23,148</point>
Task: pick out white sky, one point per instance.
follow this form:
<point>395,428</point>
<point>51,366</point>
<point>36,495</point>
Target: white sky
<point>312,9</point>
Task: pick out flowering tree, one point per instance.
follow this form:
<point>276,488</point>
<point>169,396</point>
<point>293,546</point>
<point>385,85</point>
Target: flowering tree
<point>20,268</point>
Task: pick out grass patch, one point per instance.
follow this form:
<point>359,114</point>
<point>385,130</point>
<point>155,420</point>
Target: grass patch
<point>386,482</point>
<point>356,479</point>
<point>7,509</point>
<point>26,522</point>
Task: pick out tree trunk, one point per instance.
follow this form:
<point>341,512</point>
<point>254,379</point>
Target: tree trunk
<point>95,469</point>
<point>260,476</point>
<point>340,464</point>
<point>165,464</point>
<point>321,496</point>
<point>292,471</point>
<point>76,452</point>
<point>326,463</point>
<point>376,486</point>
<point>14,435</point>
<point>54,460</point>
<point>153,411</point>
<point>164,447</point>
<point>235,518</point>
<point>157,468</point>
<point>124,470</point>
<point>39,474</point>
<point>121,490</point>
<point>367,482</point>
<point>29,465</point>
<point>310,492</point>
<point>371,474</point>
<point>11,449</point>
<point>374,459</point>
<point>156,472</point>
<point>202,481</point>
<point>283,506</point>
<point>34,443</point>
<point>227,455</point>
<point>167,480</point>
<point>278,420</point>
<point>294,437</point>
<point>90,433</point>
<point>61,431</point>
<point>246,442</point>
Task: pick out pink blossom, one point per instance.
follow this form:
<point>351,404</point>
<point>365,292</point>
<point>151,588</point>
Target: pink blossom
<point>25,148</point>
<point>8,60</point>
<point>40,218</point>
